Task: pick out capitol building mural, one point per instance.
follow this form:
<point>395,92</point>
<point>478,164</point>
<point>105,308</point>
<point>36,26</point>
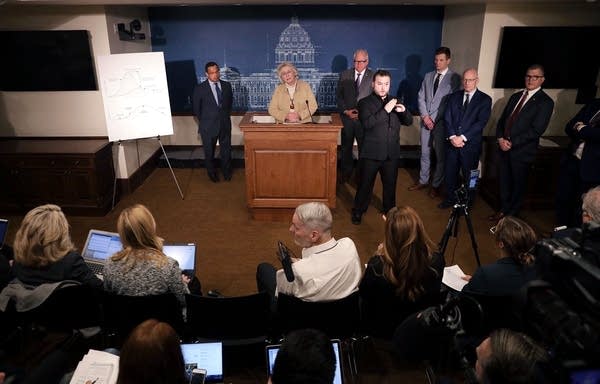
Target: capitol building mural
<point>253,92</point>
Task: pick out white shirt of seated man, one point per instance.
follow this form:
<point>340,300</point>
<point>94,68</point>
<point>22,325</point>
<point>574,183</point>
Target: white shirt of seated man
<point>329,269</point>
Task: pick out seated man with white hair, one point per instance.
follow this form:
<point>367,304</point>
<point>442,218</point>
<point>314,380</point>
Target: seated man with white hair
<point>329,269</point>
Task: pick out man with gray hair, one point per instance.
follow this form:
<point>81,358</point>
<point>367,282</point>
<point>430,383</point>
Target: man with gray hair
<point>329,269</point>
<point>591,206</point>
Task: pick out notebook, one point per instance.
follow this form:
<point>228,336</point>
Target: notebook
<point>338,379</point>
<point>204,355</point>
<point>99,246</point>
<point>3,229</point>
<point>185,254</point>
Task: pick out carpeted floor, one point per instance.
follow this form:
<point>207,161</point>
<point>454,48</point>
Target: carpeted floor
<point>230,244</point>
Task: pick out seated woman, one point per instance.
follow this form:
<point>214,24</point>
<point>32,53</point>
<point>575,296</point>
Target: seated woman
<point>403,277</point>
<point>293,100</point>
<point>152,354</point>
<point>515,240</point>
<point>142,268</point>
<point>44,252</point>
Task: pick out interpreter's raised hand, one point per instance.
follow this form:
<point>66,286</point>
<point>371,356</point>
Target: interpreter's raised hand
<point>390,105</point>
<point>400,108</point>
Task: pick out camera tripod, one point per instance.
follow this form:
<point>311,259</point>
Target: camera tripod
<point>460,208</point>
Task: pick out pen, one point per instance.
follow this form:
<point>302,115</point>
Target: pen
<point>94,382</point>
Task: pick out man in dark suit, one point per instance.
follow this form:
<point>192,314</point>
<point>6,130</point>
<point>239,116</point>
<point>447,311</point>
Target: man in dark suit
<point>524,119</point>
<point>579,167</point>
<point>353,85</point>
<point>467,113</point>
<point>432,100</point>
<point>381,117</point>
<point>212,101</point>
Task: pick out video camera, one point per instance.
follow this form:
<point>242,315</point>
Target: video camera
<point>563,307</point>
<point>463,193</point>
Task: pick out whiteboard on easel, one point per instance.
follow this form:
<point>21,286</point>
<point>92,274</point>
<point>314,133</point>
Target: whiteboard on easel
<point>135,95</point>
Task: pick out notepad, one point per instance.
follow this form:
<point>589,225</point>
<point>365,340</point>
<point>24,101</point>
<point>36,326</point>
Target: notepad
<point>453,277</point>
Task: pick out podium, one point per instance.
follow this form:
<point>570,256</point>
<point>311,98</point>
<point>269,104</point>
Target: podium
<point>289,164</point>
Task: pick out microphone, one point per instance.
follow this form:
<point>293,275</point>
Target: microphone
<point>286,261</point>
<point>311,116</point>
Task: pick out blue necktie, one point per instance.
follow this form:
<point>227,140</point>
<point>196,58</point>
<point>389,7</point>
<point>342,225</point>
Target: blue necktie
<point>219,94</point>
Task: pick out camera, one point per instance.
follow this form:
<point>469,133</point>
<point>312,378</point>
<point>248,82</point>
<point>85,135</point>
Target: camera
<point>562,309</point>
<point>464,194</point>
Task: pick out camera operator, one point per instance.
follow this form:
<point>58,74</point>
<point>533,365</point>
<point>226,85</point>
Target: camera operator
<point>515,240</point>
<point>508,357</point>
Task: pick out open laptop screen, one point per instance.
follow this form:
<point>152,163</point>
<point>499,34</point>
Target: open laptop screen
<point>272,354</point>
<point>3,229</point>
<point>185,254</point>
<point>101,245</point>
<point>204,355</point>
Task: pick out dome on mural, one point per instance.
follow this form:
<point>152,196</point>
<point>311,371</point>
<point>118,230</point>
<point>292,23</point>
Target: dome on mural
<point>295,46</point>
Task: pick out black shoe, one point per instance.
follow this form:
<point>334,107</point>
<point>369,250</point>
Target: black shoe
<point>356,218</point>
<point>213,177</point>
<point>214,293</point>
<point>445,204</point>
<point>227,176</point>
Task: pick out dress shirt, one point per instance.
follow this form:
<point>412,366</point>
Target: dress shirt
<point>214,91</point>
<point>529,96</point>
<point>328,271</point>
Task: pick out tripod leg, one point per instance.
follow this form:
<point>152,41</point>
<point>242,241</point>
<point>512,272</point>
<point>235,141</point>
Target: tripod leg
<point>472,234</point>
<point>449,227</point>
<point>171,168</point>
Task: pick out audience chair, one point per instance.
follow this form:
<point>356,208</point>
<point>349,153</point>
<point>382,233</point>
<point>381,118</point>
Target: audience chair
<point>481,314</point>
<point>338,319</point>
<point>123,313</point>
<point>239,320</point>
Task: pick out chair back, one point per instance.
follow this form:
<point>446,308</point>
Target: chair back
<point>481,314</point>
<point>338,318</point>
<point>238,320</point>
<point>123,313</point>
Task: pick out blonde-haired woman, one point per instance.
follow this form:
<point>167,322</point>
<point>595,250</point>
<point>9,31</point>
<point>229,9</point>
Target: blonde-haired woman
<point>44,252</point>
<point>403,277</point>
<point>515,240</point>
<point>142,268</point>
<point>293,100</point>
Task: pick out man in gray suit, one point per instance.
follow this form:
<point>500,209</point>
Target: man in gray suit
<point>432,95</point>
<point>353,85</point>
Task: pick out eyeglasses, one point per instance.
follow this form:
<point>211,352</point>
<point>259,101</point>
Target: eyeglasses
<point>533,77</point>
<point>493,230</point>
<point>360,61</point>
<point>469,80</point>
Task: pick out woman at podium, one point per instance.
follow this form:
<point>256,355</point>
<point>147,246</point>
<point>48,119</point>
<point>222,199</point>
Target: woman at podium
<point>293,100</point>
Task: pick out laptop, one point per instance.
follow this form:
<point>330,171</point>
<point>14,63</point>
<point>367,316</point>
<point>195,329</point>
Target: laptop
<point>338,379</point>
<point>208,356</point>
<point>99,246</point>
<point>185,254</point>
<point>3,230</point>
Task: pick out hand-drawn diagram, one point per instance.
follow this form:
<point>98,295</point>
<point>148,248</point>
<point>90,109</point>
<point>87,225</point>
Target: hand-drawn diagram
<point>135,95</point>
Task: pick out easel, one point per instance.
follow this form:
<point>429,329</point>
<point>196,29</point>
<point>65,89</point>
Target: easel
<point>120,143</point>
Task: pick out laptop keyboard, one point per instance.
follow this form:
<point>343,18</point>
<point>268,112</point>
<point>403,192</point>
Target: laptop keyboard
<point>98,269</point>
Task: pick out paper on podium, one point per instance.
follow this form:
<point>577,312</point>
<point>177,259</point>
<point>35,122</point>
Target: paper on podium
<point>98,367</point>
<point>261,119</point>
<point>453,277</point>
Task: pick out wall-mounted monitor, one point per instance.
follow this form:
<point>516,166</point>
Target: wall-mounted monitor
<point>46,61</point>
<point>567,54</point>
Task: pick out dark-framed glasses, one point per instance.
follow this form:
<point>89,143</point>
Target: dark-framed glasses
<point>533,77</point>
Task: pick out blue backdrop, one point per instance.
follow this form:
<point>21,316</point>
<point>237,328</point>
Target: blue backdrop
<point>249,42</point>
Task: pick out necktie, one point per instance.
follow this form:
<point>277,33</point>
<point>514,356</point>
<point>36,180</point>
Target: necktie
<point>436,83</point>
<point>513,116</point>
<point>357,84</point>
<point>219,94</point>
<point>464,107</point>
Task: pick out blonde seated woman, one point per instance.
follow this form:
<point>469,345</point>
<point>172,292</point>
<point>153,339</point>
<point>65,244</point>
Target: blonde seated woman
<point>142,268</point>
<point>293,100</point>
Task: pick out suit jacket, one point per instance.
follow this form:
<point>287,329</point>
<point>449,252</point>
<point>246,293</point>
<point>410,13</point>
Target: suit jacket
<point>346,92</point>
<point>590,134</point>
<point>529,126</point>
<point>279,106</point>
<point>433,105</point>
<point>382,129</point>
<point>503,278</point>
<point>471,122</point>
<point>210,116</point>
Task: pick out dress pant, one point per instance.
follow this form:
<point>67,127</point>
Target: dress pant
<point>513,175</point>
<point>368,168</point>
<point>352,129</point>
<point>209,143</point>
<point>434,139</point>
<point>458,160</point>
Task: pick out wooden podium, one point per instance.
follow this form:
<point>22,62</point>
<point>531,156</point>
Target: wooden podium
<point>289,164</point>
